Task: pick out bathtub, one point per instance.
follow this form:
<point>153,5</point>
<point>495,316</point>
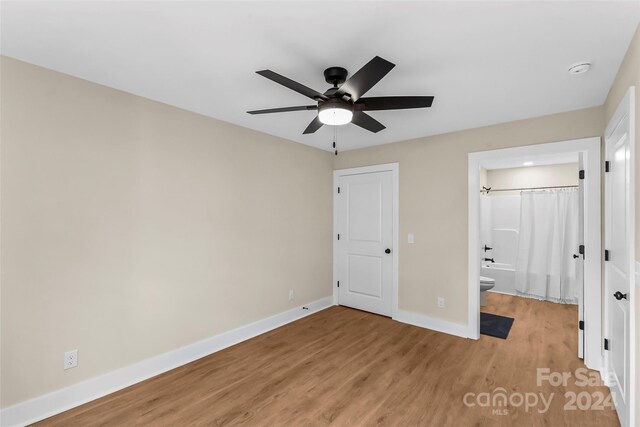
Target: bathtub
<point>503,274</point>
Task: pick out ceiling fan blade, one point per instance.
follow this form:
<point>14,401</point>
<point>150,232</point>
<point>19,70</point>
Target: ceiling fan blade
<point>365,78</point>
<point>313,126</point>
<point>393,102</point>
<point>293,85</point>
<point>284,109</point>
<point>367,122</point>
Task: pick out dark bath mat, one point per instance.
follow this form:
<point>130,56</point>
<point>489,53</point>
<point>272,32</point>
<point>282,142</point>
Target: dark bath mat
<point>495,326</point>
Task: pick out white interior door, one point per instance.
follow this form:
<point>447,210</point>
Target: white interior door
<point>365,228</point>
<point>579,257</point>
<point>619,256</point>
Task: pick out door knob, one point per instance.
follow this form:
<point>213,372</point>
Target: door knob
<point>387,251</point>
<point>575,256</point>
<point>619,295</point>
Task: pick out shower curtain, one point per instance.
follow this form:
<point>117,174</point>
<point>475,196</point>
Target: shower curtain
<point>545,267</point>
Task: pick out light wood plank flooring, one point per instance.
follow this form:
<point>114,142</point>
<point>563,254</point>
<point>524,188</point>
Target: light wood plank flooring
<point>347,367</point>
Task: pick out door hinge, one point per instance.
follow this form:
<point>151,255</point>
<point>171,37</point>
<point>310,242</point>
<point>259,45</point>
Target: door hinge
<point>606,254</point>
<point>338,236</point>
<point>581,250</point>
<point>606,344</point>
<point>581,325</point>
<point>581,174</point>
<point>338,190</point>
<point>338,283</point>
<point>606,166</point>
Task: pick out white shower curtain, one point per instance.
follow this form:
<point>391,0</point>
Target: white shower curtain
<point>545,267</point>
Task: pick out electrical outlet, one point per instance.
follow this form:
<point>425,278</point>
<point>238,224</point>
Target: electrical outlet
<point>291,296</point>
<point>410,238</point>
<point>70,359</point>
<point>440,302</point>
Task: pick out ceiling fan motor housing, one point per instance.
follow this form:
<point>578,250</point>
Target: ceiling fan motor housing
<point>335,75</point>
<point>332,103</point>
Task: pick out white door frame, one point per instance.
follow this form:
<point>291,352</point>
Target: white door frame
<point>395,169</point>
<point>626,106</point>
<point>590,147</point>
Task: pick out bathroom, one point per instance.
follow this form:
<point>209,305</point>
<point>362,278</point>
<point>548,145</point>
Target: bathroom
<point>530,219</point>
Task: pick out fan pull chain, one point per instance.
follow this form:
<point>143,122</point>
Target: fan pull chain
<point>335,138</point>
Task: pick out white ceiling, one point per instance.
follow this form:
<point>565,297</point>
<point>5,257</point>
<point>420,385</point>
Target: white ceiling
<point>485,62</point>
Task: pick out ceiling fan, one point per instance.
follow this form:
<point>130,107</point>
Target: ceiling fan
<point>344,102</point>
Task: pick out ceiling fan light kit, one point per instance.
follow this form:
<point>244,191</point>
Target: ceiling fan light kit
<point>335,112</point>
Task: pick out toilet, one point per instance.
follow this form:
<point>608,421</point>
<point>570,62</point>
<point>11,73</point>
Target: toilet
<point>486,283</point>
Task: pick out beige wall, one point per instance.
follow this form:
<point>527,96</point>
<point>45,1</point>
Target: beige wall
<point>433,201</point>
<point>131,228</point>
<point>629,75</point>
<point>531,176</point>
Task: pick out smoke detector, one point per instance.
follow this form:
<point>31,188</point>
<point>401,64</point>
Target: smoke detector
<point>579,68</point>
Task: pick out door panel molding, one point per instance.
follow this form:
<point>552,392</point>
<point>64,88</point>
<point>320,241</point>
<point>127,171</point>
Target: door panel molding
<point>394,168</point>
<point>374,262</point>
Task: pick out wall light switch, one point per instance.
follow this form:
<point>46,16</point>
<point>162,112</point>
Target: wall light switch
<point>440,302</point>
<point>410,238</point>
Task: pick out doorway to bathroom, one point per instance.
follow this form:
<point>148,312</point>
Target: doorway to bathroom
<point>531,233</point>
<point>534,237</point>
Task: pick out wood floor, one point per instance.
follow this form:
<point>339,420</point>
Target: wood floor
<point>347,367</point>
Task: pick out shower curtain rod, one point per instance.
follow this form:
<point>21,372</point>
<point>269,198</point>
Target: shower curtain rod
<point>487,190</point>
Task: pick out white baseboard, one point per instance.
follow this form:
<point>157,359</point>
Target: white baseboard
<point>432,323</point>
<point>493,291</point>
<point>64,399</point>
